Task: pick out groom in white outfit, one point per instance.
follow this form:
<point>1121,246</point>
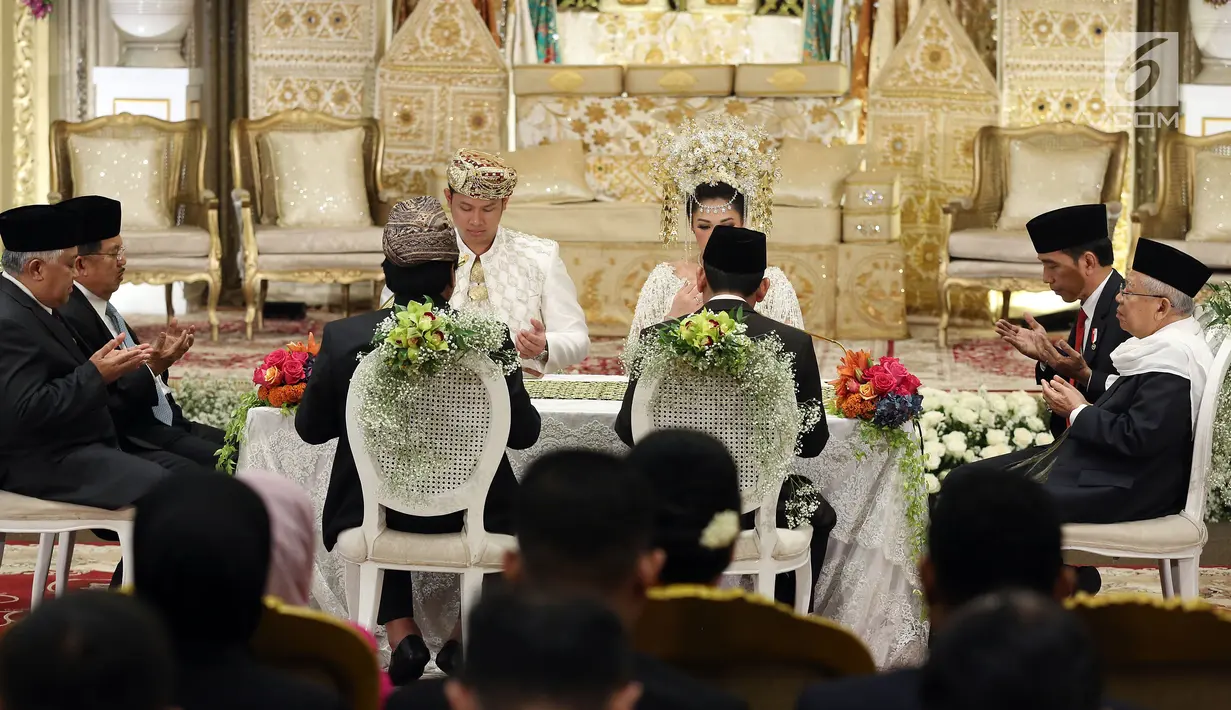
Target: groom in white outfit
<point>517,277</point>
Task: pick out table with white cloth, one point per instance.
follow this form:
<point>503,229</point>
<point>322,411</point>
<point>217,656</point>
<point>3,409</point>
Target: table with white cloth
<point>867,582</point>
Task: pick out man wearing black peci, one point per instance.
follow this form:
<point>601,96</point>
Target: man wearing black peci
<point>144,410</point>
<point>1076,254</point>
<point>57,439</point>
<point>420,255</point>
<point>733,280</point>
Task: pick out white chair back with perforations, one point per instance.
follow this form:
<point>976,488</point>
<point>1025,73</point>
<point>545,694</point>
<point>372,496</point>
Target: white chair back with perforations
<point>466,420</point>
<point>1203,435</point>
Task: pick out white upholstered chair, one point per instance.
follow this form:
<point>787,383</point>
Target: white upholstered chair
<point>1176,540</point>
<point>987,245</point>
<point>726,414</point>
<point>467,419</point>
<point>24,515</point>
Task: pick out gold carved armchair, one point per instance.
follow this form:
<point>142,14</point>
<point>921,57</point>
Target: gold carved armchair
<point>309,201</point>
<point>987,245</point>
<point>1180,215</point>
<point>170,219</point>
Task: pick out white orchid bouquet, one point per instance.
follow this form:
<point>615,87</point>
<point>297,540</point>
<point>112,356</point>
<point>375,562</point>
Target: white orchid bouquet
<point>961,427</point>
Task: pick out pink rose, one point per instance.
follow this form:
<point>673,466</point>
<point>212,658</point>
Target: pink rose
<point>894,367</point>
<point>883,382</point>
<point>300,357</point>
<point>258,375</point>
<point>292,372</point>
<point>276,358</point>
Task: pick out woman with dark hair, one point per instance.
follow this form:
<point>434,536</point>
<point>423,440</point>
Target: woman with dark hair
<point>732,189</point>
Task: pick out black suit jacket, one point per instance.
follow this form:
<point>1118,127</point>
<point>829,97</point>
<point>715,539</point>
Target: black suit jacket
<point>1129,456</point>
<point>322,416</point>
<point>662,688</point>
<point>1103,335</point>
<point>807,372</point>
<point>131,398</point>
<point>52,398</point>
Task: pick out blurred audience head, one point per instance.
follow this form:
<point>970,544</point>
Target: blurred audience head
<point>201,547</point>
<point>1012,650</point>
<point>292,525</point>
<point>990,533</point>
<point>86,650</point>
<point>532,653</point>
<point>584,522</point>
<point>694,480</point>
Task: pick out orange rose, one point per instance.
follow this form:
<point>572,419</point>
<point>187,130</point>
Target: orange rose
<point>867,391</point>
<point>272,376</point>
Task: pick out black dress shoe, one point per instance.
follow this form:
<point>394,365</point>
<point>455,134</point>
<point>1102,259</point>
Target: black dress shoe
<point>449,658</point>
<point>1089,580</point>
<point>408,660</point>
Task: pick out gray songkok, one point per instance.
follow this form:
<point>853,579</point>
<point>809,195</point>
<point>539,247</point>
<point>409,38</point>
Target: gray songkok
<point>417,232</point>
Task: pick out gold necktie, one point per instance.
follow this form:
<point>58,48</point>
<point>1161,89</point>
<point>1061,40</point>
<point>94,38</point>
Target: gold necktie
<point>478,282</point>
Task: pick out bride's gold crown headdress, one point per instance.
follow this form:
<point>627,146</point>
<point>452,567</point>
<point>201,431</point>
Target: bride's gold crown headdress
<point>718,148</point>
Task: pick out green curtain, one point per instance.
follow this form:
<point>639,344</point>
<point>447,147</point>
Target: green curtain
<point>818,15</point>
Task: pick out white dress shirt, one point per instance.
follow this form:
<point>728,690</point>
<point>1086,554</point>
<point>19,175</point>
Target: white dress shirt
<point>25,290</point>
<point>100,307</point>
<point>526,279</point>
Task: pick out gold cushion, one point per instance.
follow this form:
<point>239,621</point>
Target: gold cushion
<point>1044,180</point>
<point>318,178</point>
<point>814,175</point>
<point>187,240</point>
<point>679,80</point>
<point>553,174</point>
<point>1211,220</point>
<point>129,170</point>
<point>819,79</point>
<point>535,80</point>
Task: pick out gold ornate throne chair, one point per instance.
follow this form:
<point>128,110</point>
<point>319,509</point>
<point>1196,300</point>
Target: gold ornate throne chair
<point>1191,213</point>
<point>170,219</point>
<point>309,201</point>
<point>987,244</point>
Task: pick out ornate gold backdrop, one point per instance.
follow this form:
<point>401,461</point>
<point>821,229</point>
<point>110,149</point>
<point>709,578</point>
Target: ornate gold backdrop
<point>927,103</point>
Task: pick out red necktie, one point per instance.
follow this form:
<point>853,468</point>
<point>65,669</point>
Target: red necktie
<point>1080,345</point>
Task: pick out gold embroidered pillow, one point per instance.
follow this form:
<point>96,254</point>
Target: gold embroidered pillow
<point>814,175</point>
<point>1211,220</point>
<point>129,170</point>
<point>318,178</point>
<point>551,174</point>
<point>1044,180</point>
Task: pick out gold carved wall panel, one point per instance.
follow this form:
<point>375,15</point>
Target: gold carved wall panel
<point>927,103</point>
<point>443,85</point>
<point>319,56</point>
<point>1053,70</point>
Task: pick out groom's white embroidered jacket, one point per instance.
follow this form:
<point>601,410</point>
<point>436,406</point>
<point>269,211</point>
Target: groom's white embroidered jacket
<point>526,279</point>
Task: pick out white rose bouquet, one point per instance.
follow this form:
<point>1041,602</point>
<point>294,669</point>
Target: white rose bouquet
<point>960,427</point>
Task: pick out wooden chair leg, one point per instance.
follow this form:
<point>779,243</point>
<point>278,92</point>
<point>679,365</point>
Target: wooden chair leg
<point>212,309</point>
<point>260,304</point>
<point>170,291</point>
<point>346,300</point>
<point>249,305</point>
<point>1006,296</point>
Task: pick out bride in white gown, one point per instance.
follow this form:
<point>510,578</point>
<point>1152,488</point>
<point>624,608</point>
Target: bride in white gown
<point>720,174</point>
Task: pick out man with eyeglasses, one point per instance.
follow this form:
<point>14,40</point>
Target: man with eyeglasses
<point>1127,455</point>
<point>1076,254</point>
<point>145,413</point>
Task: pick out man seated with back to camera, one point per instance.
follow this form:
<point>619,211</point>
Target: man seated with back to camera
<point>584,523</point>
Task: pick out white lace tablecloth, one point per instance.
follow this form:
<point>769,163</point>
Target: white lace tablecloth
<point>868,581</point>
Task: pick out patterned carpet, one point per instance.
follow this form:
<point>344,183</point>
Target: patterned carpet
<point>93,565</point>
<point>980,360</point>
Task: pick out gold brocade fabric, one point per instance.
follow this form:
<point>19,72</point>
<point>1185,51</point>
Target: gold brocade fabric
<point>930,98</point>
<point>785,8</point>
<point>478,281</point>
<point>618,132</point>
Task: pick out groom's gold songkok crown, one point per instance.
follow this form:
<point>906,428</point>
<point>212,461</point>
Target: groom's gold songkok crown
<point>480,175</point>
